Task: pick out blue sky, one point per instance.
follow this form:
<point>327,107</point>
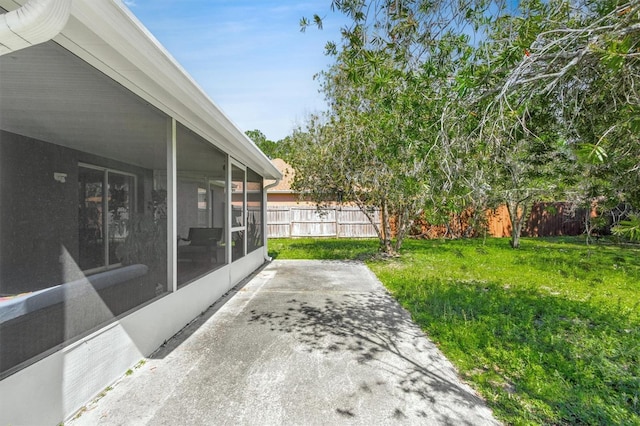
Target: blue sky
<point>249,56</point>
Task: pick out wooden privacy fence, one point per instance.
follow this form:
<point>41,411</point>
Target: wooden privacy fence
<point>297,221</point>
<point>545,219</point>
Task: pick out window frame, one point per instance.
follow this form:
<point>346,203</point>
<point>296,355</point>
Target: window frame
<point>105,210</point>
<point>234,163</point>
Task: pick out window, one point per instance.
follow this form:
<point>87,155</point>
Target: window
<point>106,201</point>
<point>238,209</point>
<point>254,211</point>
<point>201,206</point>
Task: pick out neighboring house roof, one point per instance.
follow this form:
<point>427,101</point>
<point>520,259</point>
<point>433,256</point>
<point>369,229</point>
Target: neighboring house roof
<point>288,174</point>
<point>106,35</point>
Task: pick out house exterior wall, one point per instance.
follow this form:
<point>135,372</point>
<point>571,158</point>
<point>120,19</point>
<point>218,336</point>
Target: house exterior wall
<point>69,352</point>
<point>286,199</point>
<point>28,163</point>
<point>80,137</point>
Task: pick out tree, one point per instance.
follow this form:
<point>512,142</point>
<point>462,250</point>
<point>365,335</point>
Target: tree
<point>388,92</point>
<point>267,146</point>
<point>530,161</point>
<point>559,75</point>
<point>364,156</point>
<point>280,149</point>
<point>582,57</point>
<point>462,105</point>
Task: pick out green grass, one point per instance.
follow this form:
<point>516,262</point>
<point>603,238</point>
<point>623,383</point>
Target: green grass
<point>322,248</point>
<point>548,334</point>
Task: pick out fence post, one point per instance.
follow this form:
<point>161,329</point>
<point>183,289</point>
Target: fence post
<point>290,221</point>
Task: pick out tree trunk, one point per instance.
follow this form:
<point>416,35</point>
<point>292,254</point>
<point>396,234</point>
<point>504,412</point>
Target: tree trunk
<point>382,227</point>
<point>588,225</point>
<point>377,225</point>
<point>517,214</point>
<point>515,237</point>
<point>385,241</point>
<point>404,222</point>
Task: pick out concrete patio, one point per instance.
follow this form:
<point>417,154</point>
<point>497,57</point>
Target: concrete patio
<point>300,343</point>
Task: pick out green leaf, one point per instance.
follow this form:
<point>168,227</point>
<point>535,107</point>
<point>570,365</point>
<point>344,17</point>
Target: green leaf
<point>592,153</point>
<point>628,228</point>
<point>304,23</point>
<point>318,21</point>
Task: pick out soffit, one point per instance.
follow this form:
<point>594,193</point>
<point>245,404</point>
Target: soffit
<point>48,94</point>
<point>105,34</point>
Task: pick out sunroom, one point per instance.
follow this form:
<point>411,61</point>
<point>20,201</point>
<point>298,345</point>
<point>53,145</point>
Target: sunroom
<point>128,204</point>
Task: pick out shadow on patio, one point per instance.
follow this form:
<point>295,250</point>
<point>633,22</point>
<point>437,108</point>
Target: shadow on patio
<point>305,343</point>
<point>375,331</point>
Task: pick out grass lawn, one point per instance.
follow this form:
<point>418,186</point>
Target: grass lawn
<point>548,333</point>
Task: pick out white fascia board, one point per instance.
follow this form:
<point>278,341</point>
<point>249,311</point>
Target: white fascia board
<point>105,34</point>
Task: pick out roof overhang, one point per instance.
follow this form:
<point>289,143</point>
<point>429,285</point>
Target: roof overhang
<point>106,35</point>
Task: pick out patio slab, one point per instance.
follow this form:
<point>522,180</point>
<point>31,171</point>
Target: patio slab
<point>300,343</point>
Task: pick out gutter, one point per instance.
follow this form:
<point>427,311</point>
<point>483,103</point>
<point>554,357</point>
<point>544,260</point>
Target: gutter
<point>264,191</point>
<point>271,185</point>
<point>35,22</point>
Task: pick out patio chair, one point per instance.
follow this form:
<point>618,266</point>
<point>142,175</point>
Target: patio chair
<point>202,247</point>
